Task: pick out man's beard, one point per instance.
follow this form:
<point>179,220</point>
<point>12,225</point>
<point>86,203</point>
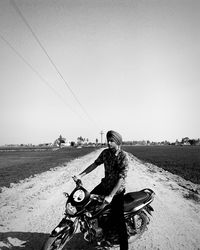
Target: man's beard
<point>112,149</point>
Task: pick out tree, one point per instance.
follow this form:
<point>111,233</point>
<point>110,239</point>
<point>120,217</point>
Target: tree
<point>80,140</point>
<point>60,141</point>
<point>192,142</point>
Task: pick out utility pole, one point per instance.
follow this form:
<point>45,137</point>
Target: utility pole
<point>102,137</point>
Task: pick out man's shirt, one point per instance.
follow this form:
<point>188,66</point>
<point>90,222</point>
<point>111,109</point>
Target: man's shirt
<point>116,167</point>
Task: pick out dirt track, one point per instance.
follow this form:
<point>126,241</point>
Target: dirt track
<point>31,209</point>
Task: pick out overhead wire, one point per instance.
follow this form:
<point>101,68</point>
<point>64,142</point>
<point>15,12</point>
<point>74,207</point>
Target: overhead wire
<point>50,59</point>
<point>37,73</point>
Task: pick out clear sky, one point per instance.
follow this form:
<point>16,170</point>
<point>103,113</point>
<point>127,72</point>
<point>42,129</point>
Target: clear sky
<point>77,68</point>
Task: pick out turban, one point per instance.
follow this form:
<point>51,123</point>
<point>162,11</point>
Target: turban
<point>116,137</point>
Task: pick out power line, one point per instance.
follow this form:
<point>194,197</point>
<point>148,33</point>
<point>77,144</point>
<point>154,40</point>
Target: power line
<point>37,73</point>
<point>50,59</point>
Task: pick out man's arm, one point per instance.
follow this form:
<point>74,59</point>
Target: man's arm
<point>91,167</point>
<point>88,170</point>
<point>114,191</point>
<point>122,175</point>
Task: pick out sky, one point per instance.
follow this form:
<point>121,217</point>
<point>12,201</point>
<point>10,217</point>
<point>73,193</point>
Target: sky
<point>77,68</point>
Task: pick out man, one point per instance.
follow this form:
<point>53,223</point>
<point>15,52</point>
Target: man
<point>112,186</point>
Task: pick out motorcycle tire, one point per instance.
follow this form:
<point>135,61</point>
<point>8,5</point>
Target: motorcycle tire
<point>56,242</point>
<point>141,221</point>
<point>136,225</point>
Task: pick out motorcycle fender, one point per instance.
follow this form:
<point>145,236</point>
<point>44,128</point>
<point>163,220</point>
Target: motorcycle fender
<point>149,209</point>
<point>65,224</point>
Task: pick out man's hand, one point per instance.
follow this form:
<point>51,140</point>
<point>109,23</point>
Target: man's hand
<point>77,180</point>
<point>108,198</point>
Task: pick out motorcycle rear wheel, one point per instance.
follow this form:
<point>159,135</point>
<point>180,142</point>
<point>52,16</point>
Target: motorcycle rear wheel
<point>136,231</point>
<point>136,225</point>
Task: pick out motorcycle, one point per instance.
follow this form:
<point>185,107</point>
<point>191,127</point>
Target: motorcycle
<point>90,212</point>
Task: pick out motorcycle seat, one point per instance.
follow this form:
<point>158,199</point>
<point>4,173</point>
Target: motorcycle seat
<point>135,199</point>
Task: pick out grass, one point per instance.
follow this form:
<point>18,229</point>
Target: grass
<point>18,165</point>
<point>180,160</point>
<point>192,196</point>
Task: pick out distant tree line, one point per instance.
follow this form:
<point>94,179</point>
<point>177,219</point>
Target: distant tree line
<point>186,141</point>
<point>81,141</point>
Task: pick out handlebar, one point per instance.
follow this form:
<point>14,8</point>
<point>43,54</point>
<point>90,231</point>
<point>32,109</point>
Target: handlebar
<point>77,181</point>
<point>99,198</point>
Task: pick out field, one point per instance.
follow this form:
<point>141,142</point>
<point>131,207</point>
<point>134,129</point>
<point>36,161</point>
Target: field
<point>18,165</point>
<point>30,210</point>
<point>180,160</point>
<point>21,164</point>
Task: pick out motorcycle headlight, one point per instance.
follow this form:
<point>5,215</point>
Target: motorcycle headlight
<point>70,209</point>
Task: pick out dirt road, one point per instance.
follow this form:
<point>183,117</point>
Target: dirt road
<point>30,209</point>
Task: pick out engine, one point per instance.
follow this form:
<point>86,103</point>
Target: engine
<point>98,229</point>
<point>91,230</point>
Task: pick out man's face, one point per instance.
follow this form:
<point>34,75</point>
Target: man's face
<point>111,144</point>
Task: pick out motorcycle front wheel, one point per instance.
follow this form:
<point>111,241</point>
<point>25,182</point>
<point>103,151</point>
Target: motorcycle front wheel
<point>136,225</point>
<point>58,241</point>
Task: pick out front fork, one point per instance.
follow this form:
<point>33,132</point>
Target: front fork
<point>66,225</point>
